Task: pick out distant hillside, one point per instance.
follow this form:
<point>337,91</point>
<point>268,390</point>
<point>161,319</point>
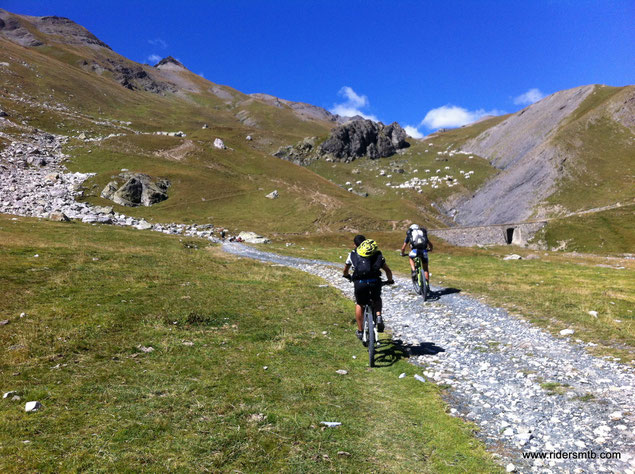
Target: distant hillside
<point>570,151</point>
<point>58,77</point>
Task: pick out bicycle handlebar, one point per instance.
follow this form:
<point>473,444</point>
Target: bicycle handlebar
<point>381,282</point>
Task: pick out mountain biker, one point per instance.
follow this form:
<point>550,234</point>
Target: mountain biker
<point>368,262</point>
<point>417,237</point>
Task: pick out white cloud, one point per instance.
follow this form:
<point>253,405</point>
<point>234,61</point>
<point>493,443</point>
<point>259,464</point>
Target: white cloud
<point>154,58</point>
<point>413,132</point>
<point>158,42</point>
<point>352,105</point>
<point>529,97</point>
<point>452,116</point>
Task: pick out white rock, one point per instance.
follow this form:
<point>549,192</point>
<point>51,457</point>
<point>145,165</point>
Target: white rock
<point>218,143</point>
<point>616,416</point>
<point>341,372</point>
<point>593,313</point>
<point>273,194</point>
<point>9,394</point>
<point>419,378</point>
<point>330,424</point>
<point>402,375</point>
<point>566,332</point>
<point>510,468</point>
<point>253,238</point>
<point>32,406</point>
<point>513,256</point>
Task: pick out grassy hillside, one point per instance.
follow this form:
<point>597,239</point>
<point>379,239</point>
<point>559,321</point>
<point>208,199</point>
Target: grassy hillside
<point>237,379</point>
<point>602,169</point>
<point>225,187</point>
<point>606,232</point>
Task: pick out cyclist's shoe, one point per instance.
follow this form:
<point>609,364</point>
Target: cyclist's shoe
<point>380,324</point>
<point>413,273</point>
<point>359,334</point>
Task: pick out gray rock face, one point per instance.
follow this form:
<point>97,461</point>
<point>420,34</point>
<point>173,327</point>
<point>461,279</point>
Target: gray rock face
<point>348,142</point>
<point>364,138</point>
<point>138,189</point>
<point>530,164</point>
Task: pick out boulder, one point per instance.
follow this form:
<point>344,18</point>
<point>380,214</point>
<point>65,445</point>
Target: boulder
<point>3,113</point>
<point>218,143</point>
<point>138,189</point>
<point>130,193</point>
<point>253,238</point>
<point>272,195</point>
<point>58,216</point>
<point>110,189</point>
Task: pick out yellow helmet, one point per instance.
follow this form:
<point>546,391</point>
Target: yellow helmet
<point>367,248</point>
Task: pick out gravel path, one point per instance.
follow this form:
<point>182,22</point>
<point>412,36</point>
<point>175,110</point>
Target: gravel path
<point>528,391</point>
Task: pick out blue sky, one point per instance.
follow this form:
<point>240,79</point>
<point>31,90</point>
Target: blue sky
<point>425,64</point>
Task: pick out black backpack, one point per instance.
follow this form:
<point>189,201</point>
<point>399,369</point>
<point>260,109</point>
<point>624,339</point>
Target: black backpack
<point>419,238</point>
<point>367,268</point>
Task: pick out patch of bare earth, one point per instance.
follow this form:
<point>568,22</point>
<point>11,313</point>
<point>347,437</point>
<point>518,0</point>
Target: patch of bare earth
<point>179,152</point>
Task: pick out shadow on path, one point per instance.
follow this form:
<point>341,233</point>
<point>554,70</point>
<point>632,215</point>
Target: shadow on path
<point>436,295</point>
<point>391,351</point>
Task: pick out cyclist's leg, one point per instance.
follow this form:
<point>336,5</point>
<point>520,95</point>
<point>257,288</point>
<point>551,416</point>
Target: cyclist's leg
<point>375,295</point>
<point>362,297</point>
<point>412,262</point>
<point>359,317</point>
<point>425,268</point>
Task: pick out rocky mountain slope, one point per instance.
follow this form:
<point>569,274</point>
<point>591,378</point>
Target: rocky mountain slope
<point>540,151</point>
<point>570,152</point>
<point>213,143</point>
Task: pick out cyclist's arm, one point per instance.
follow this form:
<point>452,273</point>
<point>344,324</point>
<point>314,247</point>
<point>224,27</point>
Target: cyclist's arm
<point>403,247</point>
<point>385,268</point>
<point>430,246</point>
<point>347,267</point>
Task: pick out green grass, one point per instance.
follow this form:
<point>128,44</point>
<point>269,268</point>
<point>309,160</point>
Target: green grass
<point>555,388</point>
<point>606,232</point>
<point>603,169</point>
<point>554,291</point>
<point>202,399</point>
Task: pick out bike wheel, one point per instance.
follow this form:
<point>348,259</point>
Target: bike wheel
<point>371,336</point>
<point>415,281</point>
<point>425,288</point>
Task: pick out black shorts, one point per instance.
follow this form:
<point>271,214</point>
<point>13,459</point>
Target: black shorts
<point>367,290</point>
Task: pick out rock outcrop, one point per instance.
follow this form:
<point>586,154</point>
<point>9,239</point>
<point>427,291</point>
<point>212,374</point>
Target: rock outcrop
<point>348,142</point>
<point>364,138</point>
<point>138,189</point>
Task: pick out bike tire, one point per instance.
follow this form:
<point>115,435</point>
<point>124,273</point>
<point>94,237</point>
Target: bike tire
<point>425,289</point>
<point>371,337</point>
<point>415,281</point>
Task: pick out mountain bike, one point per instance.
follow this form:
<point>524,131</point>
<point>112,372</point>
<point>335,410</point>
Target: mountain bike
<point>370,335</point>
<point>419,282</point>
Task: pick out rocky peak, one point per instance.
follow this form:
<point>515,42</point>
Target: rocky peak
<point>169,63</point>
<point>55,29</point>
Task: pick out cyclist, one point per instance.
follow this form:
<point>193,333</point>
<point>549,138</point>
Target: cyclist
<point>367,262</point>
<point>417,237</point>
